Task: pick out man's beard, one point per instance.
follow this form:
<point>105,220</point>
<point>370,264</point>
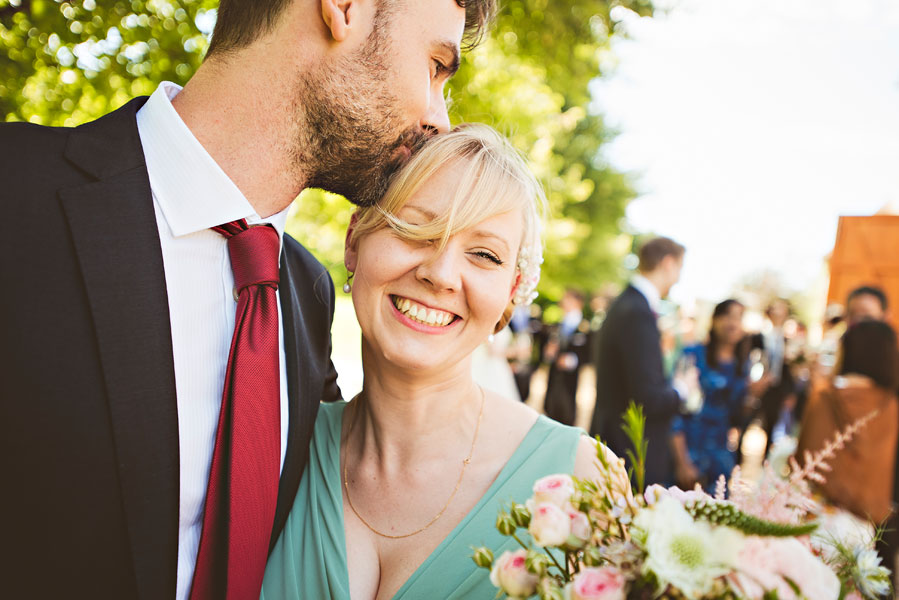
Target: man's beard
<point>349,143</point>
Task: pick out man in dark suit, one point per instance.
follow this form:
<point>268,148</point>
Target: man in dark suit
<point>629,360</point>
<point>117,313</point>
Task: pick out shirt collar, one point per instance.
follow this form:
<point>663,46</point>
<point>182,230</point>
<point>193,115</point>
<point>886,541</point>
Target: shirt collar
<point>649,290</point>
<point>192,190</point>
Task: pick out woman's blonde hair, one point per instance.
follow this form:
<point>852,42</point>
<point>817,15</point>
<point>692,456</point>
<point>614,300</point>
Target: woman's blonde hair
<point>496,180</point>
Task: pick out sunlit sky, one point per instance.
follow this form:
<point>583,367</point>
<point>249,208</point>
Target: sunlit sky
<point>754,124</point>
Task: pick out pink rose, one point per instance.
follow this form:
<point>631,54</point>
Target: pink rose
<point>580,530</point>
<point>603,583</point>
<point>550,526</point>
<point>511,576</point>
<point>654,493</point>
<point>556,489</point>
<point>764,562</point>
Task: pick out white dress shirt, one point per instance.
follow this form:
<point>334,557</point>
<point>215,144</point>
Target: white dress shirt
<point>774,348</point>
<point>191,193</point>
<point>649,291</point>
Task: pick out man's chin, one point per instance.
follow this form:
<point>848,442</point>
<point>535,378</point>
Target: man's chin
<point>366,184</point>
<point>359,195</point>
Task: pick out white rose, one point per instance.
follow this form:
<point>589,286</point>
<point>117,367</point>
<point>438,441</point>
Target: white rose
<point>550,526</point>
<point>556,489</point>
<point>511,576</point>
<point>580,529</point>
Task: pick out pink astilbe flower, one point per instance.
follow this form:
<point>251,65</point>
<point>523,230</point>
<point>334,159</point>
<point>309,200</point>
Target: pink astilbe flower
<point>772,497</point>
<point>789,500</point>
<point>721,488</point>
<point>818,461</point>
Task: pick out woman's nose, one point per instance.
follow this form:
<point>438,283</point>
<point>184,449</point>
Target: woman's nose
<point>441,271</point>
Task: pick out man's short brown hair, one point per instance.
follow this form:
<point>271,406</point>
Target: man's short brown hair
<point>655,250</point>
<point>241,22</point>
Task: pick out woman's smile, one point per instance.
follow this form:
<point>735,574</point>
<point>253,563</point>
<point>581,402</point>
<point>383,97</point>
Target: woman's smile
<point>421,317</point>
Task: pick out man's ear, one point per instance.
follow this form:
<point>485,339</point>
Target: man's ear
<point>339,17</point>
<point>350,246</point>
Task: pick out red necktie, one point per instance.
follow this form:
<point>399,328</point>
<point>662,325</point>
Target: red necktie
<point>246,462</point>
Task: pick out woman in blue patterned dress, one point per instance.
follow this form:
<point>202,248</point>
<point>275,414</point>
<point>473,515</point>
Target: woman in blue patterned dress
<point>700,439</point>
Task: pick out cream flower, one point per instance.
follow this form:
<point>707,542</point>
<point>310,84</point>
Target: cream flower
<point>766,563</point>
<point>580,530</point>
<point>555,489</point>
<point>511,576</point>
<point>682,552</point>
<point>550,525</point>
<point>872,579</point>
<point>603,583</point>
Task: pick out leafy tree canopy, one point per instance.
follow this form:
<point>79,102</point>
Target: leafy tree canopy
<point>64,63</point>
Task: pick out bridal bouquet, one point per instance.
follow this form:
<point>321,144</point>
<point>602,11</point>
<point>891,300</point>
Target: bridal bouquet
<point>601,540</point>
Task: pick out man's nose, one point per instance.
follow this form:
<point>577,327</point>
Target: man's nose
<point>437,118</point>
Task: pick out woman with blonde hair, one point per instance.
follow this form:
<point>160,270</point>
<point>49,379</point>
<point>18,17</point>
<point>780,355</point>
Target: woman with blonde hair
<point>407,476</point>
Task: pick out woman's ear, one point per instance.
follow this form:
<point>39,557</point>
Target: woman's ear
<point>339,17</point>
<point>350,245</point>
<point>516,284</point>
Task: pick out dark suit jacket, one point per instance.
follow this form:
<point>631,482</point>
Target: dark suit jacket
<point>561,386</point>
<point>629,367</point>
<point>772,400</point>
<point>88,418</point>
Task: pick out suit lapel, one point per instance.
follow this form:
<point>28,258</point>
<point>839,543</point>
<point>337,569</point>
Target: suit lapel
<point>115,235</point>
<point>300,393</point>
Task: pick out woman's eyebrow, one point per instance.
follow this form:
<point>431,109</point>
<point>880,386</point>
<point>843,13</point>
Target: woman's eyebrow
<point>483,233</point>
<point>432,216</point>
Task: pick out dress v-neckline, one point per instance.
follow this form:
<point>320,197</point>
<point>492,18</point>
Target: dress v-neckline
<point>334,477</point>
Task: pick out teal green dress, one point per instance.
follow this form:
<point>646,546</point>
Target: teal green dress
<point>310,561</point>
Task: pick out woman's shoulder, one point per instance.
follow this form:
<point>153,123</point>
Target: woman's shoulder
<point>596,462</point>
<point>519,432</point>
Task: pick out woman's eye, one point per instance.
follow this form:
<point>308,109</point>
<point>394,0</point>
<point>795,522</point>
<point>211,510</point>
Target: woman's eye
<point>487,255</point>
<point>439,68</point>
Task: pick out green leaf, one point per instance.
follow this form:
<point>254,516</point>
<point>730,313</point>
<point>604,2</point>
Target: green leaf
<point>634,428</point>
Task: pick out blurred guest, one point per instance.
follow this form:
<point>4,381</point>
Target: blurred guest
<point>869,303</point>
<point>700,440</point>
<point>832,331</point>
<point>864,472</point>
<point>629,359</point>
<point>490,368</point>
<point>524,349</point>
<point>779,399</point>
<point>798,357</point>
<point>866,303</point>
<point>599,306</point>
<point>566,351</point>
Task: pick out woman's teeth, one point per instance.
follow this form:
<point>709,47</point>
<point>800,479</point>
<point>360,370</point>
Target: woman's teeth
<point>421,314</point>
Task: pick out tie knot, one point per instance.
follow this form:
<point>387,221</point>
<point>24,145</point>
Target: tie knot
<point>254,254</point>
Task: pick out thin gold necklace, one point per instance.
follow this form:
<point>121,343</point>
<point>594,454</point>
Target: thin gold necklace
<point>346,481</point>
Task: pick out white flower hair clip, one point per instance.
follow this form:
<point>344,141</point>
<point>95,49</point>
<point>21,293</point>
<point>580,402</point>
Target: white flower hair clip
<point>529,270</point>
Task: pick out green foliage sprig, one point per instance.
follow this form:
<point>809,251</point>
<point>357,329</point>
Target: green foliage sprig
<point>634,427</point>
<point>727,514</point>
